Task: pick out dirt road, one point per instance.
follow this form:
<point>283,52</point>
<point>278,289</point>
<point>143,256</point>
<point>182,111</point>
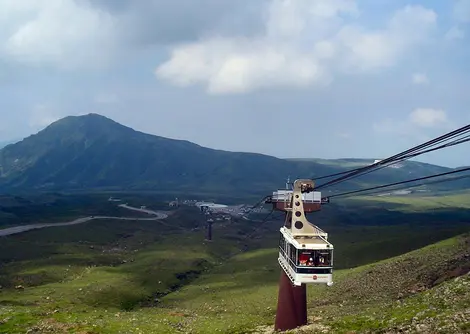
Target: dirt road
<point>24,228</point>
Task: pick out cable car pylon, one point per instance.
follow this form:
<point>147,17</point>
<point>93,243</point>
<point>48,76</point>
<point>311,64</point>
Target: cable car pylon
<point>209,223</point>
<point>305,255</point>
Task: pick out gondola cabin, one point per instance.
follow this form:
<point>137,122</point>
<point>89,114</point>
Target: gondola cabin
<point>305,254</point>
<point>306,259</point>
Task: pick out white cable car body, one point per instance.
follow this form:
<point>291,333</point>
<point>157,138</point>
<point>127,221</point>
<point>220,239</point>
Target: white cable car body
<point>305,254</point>
<point>306,259</point>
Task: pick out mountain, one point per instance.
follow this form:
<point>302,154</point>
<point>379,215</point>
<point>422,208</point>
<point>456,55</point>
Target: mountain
<point>403,170</point>
<point>95,152</point>
<point>92,151</point>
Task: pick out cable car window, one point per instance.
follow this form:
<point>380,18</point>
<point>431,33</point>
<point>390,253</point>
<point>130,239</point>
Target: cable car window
<point>306,258</point>
<point>303,258</point>
<point>282,242</point>
<point>323,258</point>
<point>314,258</point>
<point>293,254</point>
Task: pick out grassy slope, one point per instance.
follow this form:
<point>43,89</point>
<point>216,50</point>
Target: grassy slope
<point>235,297</point>
<point>422,203</point>
<point>78,281</point>
<point>238,297</point>
<point>391,293</point>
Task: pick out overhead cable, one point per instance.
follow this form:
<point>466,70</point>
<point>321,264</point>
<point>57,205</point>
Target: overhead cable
<point>409,156</point>
<point>413,152</point>
<point>418,185</point>
<point>402,182</point>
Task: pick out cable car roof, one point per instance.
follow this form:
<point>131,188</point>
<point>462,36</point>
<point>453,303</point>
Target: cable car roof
<point>307,242</point>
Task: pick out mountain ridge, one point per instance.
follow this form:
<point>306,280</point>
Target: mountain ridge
<point>96,152</point>
<point>7,142</point>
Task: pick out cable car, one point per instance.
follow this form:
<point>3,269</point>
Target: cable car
<point>305,254</point>
<point>306,259</point>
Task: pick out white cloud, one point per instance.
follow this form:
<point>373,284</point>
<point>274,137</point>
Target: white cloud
<point>92,33</point>
<point>454,33</point>
<point>428,118</point>
<point>418,122</point>
<point>60,32</point>
<point>461,11</point>
<point>420,78</point>
<point>365,50</point>
<point>235,66</point>
<point>305,42</point>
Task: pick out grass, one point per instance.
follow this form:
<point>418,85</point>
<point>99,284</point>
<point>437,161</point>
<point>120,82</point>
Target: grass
<point>96,271</point>
<point>412,203</point>
<point>418,291</point>
<point>232,297</point>
<point>143,277</point>
<point>442,309</point>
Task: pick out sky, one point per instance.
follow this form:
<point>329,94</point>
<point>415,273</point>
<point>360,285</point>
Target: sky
<point>289,78</point>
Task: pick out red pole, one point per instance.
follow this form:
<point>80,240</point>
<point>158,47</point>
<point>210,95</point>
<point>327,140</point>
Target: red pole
<point>300,302</point>
<point>285,315</point>
<point>292,300</point>
<point>291,305</point>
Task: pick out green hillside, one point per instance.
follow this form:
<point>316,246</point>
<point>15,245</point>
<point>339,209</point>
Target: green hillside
<point>146,277</point>
<point>415,203</point>
<point>236,297</point>
<point>351,163</point>
<point>92,152</point>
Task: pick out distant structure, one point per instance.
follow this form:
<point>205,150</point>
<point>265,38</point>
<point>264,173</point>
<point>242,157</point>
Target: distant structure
<point>396,193</point>
<point>175,203</point>
<point>203,206</point>
<point>210,221</point>
<point>395,165</point>
<point>210,205</point>
<point>112,199</point>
